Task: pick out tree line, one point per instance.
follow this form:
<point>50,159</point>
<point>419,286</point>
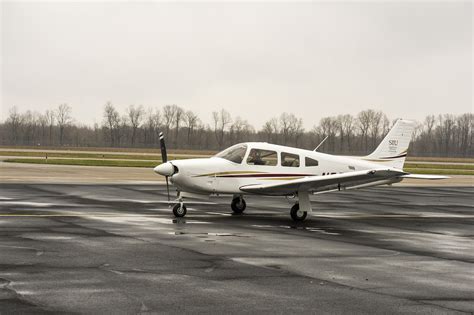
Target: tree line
<point>436,135</point>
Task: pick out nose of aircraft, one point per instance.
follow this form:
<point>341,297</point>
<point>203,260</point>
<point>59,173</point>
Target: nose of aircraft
<point>165,169</point>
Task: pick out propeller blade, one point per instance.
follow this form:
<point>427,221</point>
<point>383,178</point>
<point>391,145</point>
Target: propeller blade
<point>164,156</point>
<point>167,188</point>
<point>164,159</point>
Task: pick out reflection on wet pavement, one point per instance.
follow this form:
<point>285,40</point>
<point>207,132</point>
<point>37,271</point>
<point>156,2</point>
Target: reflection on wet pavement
<point>118,249</point>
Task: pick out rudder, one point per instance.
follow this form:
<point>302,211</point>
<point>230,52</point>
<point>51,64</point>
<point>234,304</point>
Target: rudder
<point>393,149</point>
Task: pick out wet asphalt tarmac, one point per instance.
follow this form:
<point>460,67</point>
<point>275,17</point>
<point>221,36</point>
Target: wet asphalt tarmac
<point>117,249</point>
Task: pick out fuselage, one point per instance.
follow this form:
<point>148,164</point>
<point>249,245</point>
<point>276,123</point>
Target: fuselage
<point>256,163</point>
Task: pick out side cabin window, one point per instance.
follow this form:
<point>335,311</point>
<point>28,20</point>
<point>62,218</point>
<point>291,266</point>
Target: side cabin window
<point>290,160</point>
<point>262,157</point>
<point>309,162</point>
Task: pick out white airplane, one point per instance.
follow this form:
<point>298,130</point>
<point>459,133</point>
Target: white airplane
<point>262,168</point>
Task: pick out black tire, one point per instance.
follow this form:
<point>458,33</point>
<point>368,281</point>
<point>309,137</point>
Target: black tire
<point>238,205</point>
<point>179,211</point>
<point>296,214</point>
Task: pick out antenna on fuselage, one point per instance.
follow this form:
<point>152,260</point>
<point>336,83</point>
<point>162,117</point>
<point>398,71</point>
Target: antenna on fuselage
<point>315,149</point>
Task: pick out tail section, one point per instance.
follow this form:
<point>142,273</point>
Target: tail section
<point>392,151</point>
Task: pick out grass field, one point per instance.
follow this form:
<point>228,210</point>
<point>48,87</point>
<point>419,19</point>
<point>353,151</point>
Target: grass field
<point>440,166</point>
<point>108,150</point>
<point>79,155</point>
<point>155,155</point>
<point>86,162</point>
<point>441,169</point>
<point>150,157</point>
<point>438,171</point>
<point>439,159</point>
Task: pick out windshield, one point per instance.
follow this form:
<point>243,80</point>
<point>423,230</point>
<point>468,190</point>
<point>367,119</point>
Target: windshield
<point>234,154</point>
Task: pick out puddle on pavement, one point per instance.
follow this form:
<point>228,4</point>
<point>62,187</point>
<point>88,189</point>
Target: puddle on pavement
<point>28,203</point>
<point>183,221</point>
<point>199,234</point>
<point>328,231</point>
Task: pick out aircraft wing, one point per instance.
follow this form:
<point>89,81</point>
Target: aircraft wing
<point>315,184</point>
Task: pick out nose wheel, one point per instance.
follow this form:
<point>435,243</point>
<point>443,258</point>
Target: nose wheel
<point>179,210</point>
<point>238,205</point>
<point>296,214</point>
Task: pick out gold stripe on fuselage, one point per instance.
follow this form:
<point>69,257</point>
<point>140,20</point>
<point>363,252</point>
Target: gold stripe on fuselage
<point>230,173</point>
<point>281,178</point>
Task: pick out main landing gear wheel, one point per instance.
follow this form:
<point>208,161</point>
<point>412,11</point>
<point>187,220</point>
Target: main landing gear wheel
<point>179,210</point>
<point>297,214</point>
<point>238,205</point>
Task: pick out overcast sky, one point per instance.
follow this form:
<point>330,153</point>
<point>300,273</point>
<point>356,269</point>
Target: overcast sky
<point>256,60</point>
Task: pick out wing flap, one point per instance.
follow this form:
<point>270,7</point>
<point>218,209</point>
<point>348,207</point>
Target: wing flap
<point>424,176</point>
<point>323,183</point>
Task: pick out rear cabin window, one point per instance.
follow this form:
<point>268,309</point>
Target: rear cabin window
<point>290,160</point>
<point>310,162</point>
<point>262,157</point>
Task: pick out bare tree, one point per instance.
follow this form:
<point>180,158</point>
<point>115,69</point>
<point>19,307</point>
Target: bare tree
<point>375,125</point>
<point>178,118</point>
<point>239,129</point>
<point>317,135</point>
<point>365,119</point>
<point>296,129</point>
<point>447,127</point>
<point>416,133</point>
<point>14,122</point>
<point>63,116</point>
<point>122,130</point>
<point>43,122</point>
<point>190,120</point>
<point>271,129</point>
<point>111,121</point>
<point>152,125</point>
<point>329,128</point>
<point>464,125</point>
<point>267,130</point>
<point>169,114</point>
<point>342,132</point>
<point>221,120</point>
<point>29,125</point>
<point>347,122</point>
<point>385,125</point>
<point>290,127</point>
<point>50,117</point>
<point>447,135</point>
<point>430,121</point>
<point>135,116</point>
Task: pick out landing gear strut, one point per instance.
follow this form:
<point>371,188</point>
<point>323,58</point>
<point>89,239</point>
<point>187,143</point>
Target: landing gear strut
<point>301,209</point>
<point>238,205</point>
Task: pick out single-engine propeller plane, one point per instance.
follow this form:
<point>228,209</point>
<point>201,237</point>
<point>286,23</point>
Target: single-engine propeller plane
<point>262,168</point>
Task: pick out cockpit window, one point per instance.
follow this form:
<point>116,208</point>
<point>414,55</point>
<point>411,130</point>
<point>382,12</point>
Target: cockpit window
<point>262,157</point>
<point>234,154</point>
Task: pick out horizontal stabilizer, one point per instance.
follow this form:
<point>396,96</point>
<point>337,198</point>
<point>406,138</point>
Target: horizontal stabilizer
<point>424,176</point>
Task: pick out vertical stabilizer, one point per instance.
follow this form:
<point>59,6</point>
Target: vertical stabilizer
<point>392,151</point>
